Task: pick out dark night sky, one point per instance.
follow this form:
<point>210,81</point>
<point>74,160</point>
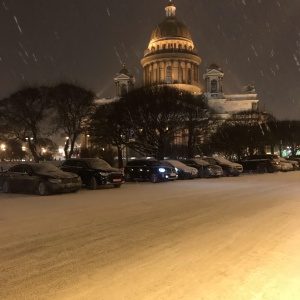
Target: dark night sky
<point>87,41</point>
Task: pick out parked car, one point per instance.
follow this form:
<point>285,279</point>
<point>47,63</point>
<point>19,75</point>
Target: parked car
<point>205,170</point>
<point>295,160</point>
<point>262,163</point>
<point>287,165</point>
<point>150,170</point>
<point>183,171</point>
<point>94,172</point>
<point>229,168</point>
<point>259,165</point>
<point>40,178</point>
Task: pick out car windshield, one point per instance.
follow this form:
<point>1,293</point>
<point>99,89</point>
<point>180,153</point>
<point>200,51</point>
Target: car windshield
<point>222,160</point>
<point>155,163</point>
<point>166,163</point>
<point>98,163</point>
<point>177,163</point>
<point>44,168</point>
<point>201,162</point>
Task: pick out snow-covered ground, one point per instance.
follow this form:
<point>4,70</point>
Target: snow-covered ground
<point>214,239</point>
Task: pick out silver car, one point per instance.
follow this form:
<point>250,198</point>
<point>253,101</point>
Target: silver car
<point>205,170</point>
<point>183,171</point>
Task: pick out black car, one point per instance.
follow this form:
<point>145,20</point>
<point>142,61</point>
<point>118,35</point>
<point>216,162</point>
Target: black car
<point>205,170</point>
<point>149,169</point>
<point>261,163</point>
<point>229,168</point>
<point>94,172</point>
<point>40,178</point>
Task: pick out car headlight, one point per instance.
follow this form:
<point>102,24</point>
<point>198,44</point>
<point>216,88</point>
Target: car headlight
<point>54,180</point>
<point>162,170</point>
<point>103,174</point>
<point>176,169</point>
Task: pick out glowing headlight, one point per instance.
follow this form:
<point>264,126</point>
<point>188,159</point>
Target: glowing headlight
<point>176,169</point>
<point>162,170</point>
<point>54,180</point>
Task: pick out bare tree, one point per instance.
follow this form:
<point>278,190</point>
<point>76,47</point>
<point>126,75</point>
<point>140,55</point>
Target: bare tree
<point>198,121</point>
<point>242,134</point>
<point>154,114</point>
<point>108,127</point>
<point>23,114</point>
<point>284,132</point>
<point>74,106</point>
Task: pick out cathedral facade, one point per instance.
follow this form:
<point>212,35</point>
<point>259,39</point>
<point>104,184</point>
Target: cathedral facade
<point>226,105</point>
<point>171,58</point>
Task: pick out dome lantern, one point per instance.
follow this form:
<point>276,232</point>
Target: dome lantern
<point>170,9</point>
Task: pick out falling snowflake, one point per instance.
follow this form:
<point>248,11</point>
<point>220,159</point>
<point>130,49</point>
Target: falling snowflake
<point>16,20</point>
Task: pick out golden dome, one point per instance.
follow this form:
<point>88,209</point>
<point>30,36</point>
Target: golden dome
<point>171,57</point>
<point>170,28</point>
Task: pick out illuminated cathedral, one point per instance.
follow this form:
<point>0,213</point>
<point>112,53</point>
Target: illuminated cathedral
<point>172,59</point>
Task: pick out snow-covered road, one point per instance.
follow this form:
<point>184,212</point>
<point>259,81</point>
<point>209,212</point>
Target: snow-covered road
<point>213,239</point>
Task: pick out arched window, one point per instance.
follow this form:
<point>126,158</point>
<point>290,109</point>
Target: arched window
<point>123,89</point>
<point>213,86</point>
<point>169,75</point>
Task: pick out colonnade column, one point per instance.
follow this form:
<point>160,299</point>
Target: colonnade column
<point>145,74</point>
<point>186,72</point>
<point>221,85</point>
<point>172,71</point>
<point>117,89</point>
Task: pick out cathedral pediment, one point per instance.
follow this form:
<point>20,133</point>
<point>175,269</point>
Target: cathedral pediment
<point>213,72</point>
<point>122,77</point>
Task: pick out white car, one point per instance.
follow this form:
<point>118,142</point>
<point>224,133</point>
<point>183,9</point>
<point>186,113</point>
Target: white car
<point>286,165</point>
<point>183,171</point>
<point>295,163</point>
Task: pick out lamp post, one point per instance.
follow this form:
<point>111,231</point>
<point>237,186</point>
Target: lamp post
<point>3,149</point>
<point>66,147</point>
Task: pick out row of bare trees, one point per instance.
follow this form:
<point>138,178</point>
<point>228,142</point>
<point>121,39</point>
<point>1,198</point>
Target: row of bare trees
<point>145,120</point>
<point>34,113</point>
<point>248,133</point>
